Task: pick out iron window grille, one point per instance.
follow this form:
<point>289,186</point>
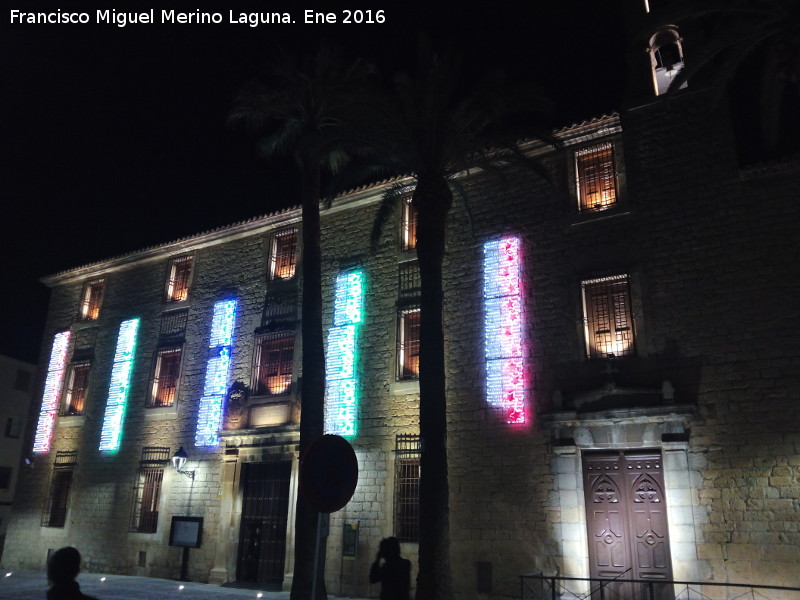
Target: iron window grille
<point>173,327</point>
<point>147,489</point>
<point>91,300</point>
<point>280,312</point>
<point>406,487</point>
<point>273,364</point>
<point>596,177</point>
<point>608,320</point>
<point>408,226</point>
<point>54,513</point>
<point>283,258</point>
<point>180,272</point>
<point>166,373</point>
<point>408,327</point>
<point>75,393</point>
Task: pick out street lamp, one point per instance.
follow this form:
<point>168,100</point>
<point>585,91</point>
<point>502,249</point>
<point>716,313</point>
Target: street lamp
<point>179,461</point>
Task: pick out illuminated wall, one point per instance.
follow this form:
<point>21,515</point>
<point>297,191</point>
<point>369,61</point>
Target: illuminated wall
<point>341,381</point>
<point>216,382</point>
<point>120,385</point>
<point>505,381</point>
<point>52,392</point>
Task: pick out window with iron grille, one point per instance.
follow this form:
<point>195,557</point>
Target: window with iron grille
<point>55,509</point>
<point>180,272</point>
<point>75,392</point>
<point>408,343</point>
<point>280,311</point>
<point>408,320</point>
<point>608,320</point>
<point>273,363</point>
<point>283,257</point>
<point>596,177</point>
<point>408,226</point>
<point>166,373</point>
<point>147,489</point>
<point>173,327</point>
<point>406,487</point>
<point>91,300</point>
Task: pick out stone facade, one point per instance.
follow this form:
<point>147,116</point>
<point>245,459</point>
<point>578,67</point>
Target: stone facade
<point>709,384</point>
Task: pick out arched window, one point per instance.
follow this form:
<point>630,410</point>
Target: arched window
<point>666,57</point>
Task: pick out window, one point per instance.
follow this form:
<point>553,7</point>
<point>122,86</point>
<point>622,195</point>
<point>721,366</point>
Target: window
<point>408,321</point>
<point>166,371</point>
<point>596,177</point>
<point>147,489</point>
<point>607,317</point>
<point>284,254</point>
<point>666,58</point>
<point>408,228</point>
<point>13,427</point>
<point>408,343</point>
<point>55,509</point>
<point>5,477</point>
<point>75,394</point>
<point>92,298</point>
<point>22,382</point>
<point>406,488</point>
<point>273,362</point>
<point>180,272</point>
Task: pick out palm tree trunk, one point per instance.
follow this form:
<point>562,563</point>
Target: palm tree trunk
<point>433,199</point>
<point>312,386</point>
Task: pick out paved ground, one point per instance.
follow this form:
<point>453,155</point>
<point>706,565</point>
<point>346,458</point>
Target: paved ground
<point>30,585</point>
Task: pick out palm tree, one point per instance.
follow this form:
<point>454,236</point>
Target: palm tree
<point>294,105</point>
<point>745,36</point>
<point>434,127</point>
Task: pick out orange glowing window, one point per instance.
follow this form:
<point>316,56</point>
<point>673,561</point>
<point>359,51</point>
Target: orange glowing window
<point>284,254</point>
<point>608,320</point>
<point>408,344</point>
<point>180,272</point>
<point>92,298</point>
<point>408,228</point>
<point>273,362</point>
<point>166,373</point>
<point>596,177</point>
<point>75,394</point>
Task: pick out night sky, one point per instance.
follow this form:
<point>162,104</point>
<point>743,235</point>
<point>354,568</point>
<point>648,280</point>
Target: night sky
<point>115,139</point>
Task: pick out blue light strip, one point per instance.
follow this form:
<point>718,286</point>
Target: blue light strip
<point>52,391</point>
<point>120,385</point>
<point>340,360</point>
<point>215,387</point>
<point>505,372</point>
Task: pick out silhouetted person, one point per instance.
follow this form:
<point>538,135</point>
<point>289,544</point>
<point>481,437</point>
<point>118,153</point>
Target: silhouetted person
<point>63,567</point>
<point>392,570</point>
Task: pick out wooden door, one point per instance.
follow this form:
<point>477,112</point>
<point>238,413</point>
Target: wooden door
<point>626,520</point>
<point>265,512</point>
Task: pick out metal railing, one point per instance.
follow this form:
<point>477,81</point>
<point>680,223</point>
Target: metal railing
<point>536,586</point>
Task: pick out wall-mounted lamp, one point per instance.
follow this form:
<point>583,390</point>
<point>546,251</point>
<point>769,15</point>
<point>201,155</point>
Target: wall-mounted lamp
<point>179,461</point>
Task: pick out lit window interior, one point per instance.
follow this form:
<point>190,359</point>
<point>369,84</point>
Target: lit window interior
<point>119,387</point>
<point>52,391</point>
<point>607,317</point>
<point>179,275</point>
<point>284,254</point>
<point>597,182</point>
<point>92,297</point>
<point>505,381</point>
<point>340,360</point>
<point>215,385</point>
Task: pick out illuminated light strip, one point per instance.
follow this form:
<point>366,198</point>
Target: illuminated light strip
<point>340,360</point>
<point>52,391</point>
<point>505,370</point>
<point>120,385</point>
<point>216,382</point>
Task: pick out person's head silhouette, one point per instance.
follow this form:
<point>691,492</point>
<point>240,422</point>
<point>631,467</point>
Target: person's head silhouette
<point>390,547</point>
<point>64,565</point>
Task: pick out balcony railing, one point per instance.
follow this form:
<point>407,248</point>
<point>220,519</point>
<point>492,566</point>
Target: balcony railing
<point>536,586</point>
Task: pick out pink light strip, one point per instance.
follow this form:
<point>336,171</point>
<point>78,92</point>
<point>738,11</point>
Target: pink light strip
<point>52,392</point>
